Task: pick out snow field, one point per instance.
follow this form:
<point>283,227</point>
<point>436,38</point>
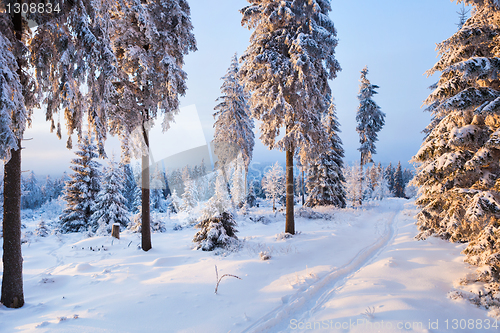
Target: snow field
<point>334,270</point>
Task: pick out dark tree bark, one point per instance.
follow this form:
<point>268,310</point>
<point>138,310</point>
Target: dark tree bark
<point>12,280</point>
<point>146,222</point>
<point>290,221</point>
<point>302,187</point>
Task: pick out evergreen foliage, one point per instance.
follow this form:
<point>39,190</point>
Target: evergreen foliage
<point>110,206</point>
<point>216,232</point>
<point>32,196</point>
<point>81,190</point>
<point>399,184</point>
<point>286,68</point>
<point>273,183</point>
<point>369,117</point>
<point>325,178</point>
<point>458,169</point>
<point>233,125</point>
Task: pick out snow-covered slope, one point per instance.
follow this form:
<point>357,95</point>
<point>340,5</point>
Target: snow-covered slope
<point>362,266</point>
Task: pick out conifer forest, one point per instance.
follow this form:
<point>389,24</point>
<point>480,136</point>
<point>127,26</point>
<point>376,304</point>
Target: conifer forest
<point>249,166</point>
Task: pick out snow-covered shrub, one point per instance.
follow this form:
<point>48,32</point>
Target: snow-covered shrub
<point>310,213</point>
<point>283,236</point>
<point>41,229</point>
<point>216,232</point>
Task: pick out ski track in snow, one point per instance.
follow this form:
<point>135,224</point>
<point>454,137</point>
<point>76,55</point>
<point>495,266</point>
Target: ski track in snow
<point>305,303</point>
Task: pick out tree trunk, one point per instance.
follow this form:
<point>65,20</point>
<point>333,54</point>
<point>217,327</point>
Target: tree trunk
<point>115,232</point>
<point>360,199</point>
<point>146,222</point>
<point>12,280</point>
<point>303,187</point>
<point>290,222</point>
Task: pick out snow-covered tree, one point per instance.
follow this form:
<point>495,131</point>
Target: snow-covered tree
<point>325,178</point>
<point>216,232</point>
<point>110,205</point>
<point>286,68</point>
<point>238,181</point>
<point>41,229</point>
<point>353,184</point>
<point>16,104</point>
<point>31,192</point>
<point>233,124</point>
<point>399,184</point>
<point>458,168</point>
<point>190,195</point>
<point>389,176</point>
<point>176,201</point>
<point>220,202</point>
<point>381,188</point>
<point>81,190</point>
<point>273,183</point>
<point>369,117</point>
<point>150,40</point>
<point>129,186</point>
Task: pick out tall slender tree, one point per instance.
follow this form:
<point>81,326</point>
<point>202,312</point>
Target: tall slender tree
<point>150,41</point>
<point>325,180</point>
<point>399,184</point>
<point>233,124</point>
<point>370,120</point>
<point>17,100</point>
<point>286,68</point>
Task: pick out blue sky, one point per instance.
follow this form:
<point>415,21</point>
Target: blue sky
<point>395,39</point>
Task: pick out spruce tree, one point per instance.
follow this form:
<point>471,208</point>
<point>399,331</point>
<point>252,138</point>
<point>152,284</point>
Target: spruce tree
<point>150,40</point>
<point>31,197</point>
<point>81,190</point>
<point>110,205</point>
<point>369,117</point>
<point>325,178</point>
<point>389,177</point>
<point>233,124</point>
<point>399,184</point>
<point>370,120</point>
<point>458,168</point>
<point>286,68</point>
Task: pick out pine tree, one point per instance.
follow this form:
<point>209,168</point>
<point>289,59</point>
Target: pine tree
<point>110,205</point>
<point>325,178</point>
<point>48,189</point>
<point>151,40</point>
<point>286,68</point>
<point>16,104</point>
<point>458,171</point>
<point>238,181</point>
<point>389,177</point>
<point>81,190</point>
<point>31,197</point>
<point>129,187</point>
<point>190,196</point>
<point>370,120</point>
<point>216,232</point>
<point>233,125</point>
<point>399,185</point>
<point>369,117</point>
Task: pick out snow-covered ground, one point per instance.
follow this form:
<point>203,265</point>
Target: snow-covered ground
<point>357,270</point>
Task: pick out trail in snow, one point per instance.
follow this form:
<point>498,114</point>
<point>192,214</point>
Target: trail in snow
<point>304,304</point>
